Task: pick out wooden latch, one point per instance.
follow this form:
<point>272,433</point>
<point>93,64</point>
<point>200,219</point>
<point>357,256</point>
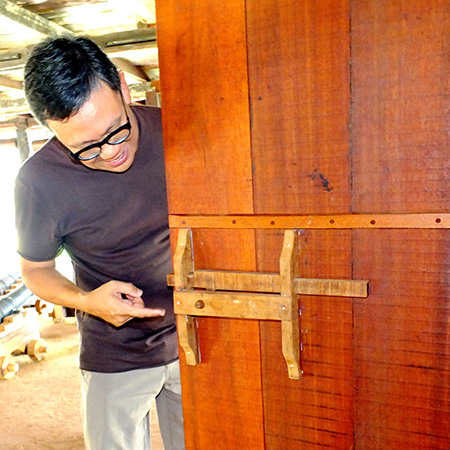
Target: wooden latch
<point>248,295</point>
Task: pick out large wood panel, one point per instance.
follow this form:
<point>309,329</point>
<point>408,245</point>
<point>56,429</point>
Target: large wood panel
<point>316,108</point>
<point>207,142</point>
<point>300,99</point>
<point>402,337</point>
<point>400,105</point>
<point>204,85</point>
<point>316,411</point>
<point>298,55</point>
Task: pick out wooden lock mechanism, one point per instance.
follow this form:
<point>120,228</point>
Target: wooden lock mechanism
<point>248,295</point>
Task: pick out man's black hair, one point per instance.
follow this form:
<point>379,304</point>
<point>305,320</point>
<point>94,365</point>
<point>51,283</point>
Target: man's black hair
<point>61,74</point>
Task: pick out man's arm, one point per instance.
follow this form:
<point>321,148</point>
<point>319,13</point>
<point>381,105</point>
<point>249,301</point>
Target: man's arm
<point>106,302</point>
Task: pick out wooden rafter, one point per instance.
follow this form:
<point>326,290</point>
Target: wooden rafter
<point>31,20</point>
<point>132,70</point>
<point>137,42</point>
<point>10,83</point>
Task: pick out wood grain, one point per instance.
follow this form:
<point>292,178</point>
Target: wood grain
<point>400,87</point>
<point>298,55</point>
<point>402,357</point>
<point>238,305</point>
<point>206,125</point>
<point>204,92</point>
<point>330,221</point>
<point>271,282</point>
<point>300,103</point>
<point>331,118</point>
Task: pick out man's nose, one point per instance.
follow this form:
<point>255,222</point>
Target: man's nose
<point>109,151</point>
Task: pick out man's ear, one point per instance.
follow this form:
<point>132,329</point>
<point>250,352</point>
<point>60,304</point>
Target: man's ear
<point>124,86</point>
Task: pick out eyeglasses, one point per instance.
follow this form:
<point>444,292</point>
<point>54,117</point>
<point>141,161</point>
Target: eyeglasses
<point>116,137</point>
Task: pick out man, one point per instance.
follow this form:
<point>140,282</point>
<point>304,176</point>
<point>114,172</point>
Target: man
<point>97,190</point>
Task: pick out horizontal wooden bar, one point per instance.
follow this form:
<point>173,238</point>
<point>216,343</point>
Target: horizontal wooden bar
<point>334,288</point>
<point>237,281</point>
<point>335,221</point>
<point>271,283</point>
<point>232,305</point>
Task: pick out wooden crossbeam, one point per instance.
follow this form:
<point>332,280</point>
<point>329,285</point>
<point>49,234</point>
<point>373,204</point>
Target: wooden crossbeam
<point>335,221</point>
<point>271,283</point>
<point>236,305</point>
<point>10,83</point>
<point>31,20</point>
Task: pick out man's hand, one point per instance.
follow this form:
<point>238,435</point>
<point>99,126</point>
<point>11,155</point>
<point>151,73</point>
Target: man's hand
<point>117,302</point>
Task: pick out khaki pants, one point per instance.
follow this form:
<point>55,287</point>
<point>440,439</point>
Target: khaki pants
<point>116,408</point>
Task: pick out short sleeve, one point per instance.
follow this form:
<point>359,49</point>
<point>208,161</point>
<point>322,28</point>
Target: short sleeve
<point>36,228</point>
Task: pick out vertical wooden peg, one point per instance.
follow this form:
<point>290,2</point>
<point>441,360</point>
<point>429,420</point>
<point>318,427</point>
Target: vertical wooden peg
<point>187,325</point>
<point>290,329</point>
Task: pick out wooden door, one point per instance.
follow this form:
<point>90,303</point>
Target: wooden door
<point>335,115</point>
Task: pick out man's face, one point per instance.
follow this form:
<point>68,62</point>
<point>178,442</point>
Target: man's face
<point>103,113</point>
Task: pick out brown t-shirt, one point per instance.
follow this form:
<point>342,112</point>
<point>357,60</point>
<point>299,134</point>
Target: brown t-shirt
<point>114,227</point>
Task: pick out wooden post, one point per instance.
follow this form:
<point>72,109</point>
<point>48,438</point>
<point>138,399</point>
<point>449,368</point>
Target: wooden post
<point>186,325</point>
<point>290,329</point>
<point>22,141</point>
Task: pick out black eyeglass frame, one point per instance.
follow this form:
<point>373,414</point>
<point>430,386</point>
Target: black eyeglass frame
<point>125,126</point>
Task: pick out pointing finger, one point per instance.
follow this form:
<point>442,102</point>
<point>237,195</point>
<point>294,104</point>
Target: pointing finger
<point>145,312</point>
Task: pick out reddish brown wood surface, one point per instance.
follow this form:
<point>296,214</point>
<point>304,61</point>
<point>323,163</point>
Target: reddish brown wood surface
<point>317,411</point>
<point>400,87</point>
<point>332,108</point>
<point>412,363</point>
<point>204,87</point>
<point>224,391</point>
<point>299,84</point>
<point>207,141</point>
<point>321,221</point>
<point>402,356</point>
<point>298,55</point>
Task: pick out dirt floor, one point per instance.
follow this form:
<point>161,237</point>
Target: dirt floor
<point>40,404</point>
